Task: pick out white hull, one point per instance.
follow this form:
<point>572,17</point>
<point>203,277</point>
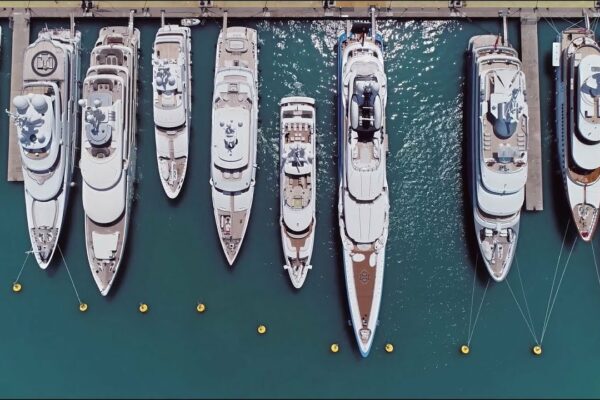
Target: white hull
<point>497,196</point>
<point>297,185</point>
<point>47,191</point>
<point>234,136</point>
<point>108,158</point>
<point>363,198</point>
<point>172,142</point>
<point>583,194</point>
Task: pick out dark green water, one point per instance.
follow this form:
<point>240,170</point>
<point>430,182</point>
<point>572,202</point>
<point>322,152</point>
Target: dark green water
<point>49,349</point>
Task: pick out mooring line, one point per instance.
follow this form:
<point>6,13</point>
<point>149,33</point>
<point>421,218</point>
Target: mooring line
<point>595,263</point>
<point>478,312</point>
<point>556,273</point>
<point>473,295</point>
<point>22,266</point>
<point>522,313</point>
<point>69,272</point>
<point>557,289</point>
<point>525,298</point>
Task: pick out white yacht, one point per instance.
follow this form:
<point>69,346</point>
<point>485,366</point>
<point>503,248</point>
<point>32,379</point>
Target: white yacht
<point>498,137</point>
<point>578,124</point>
<point>108,149</point>
<point>298,179</point>
<point>363,204</point>
<point>46,118</point>
<point>172,97</point>
<point>234,135</point>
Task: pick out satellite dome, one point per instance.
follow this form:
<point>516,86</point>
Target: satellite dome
<point>172,80</point>
<point>21,103</point>
<point>41,137</point>
<point>39,103</point>
<point>159,81</point>
<point>97,103</point>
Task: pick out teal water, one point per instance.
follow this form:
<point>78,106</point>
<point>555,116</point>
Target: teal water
<point>50,349</point>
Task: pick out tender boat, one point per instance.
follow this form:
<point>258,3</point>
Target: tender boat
<point>190,22</point>
<point>298,178</point>
<point>171,83</point>
<point>234,135</point>
<point>578,125</point>
<point>498,136</point>
<point>46,118</point>
<point>108,149</point>
<point>363,204</point>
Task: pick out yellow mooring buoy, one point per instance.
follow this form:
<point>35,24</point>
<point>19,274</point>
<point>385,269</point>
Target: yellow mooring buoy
<point>262,329</point>
<point>16,287</point>
<point>200,308</point>
<point>464,349</point>
<point>143,308</point>
<point>83,307</point>
<point>537,350</point>
<point>389,348</point>
<point>334,348</point>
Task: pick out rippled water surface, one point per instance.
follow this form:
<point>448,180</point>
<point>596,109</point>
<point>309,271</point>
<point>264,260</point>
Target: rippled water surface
<point>49,348</point>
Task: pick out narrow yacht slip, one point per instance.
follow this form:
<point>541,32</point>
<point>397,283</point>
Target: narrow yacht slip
<point>46,118</point>
<point>578,125</point>
<point>108,149</point>
<point>298,178</point>
<point>363,204</point>
<point>498,137</point>
<point>234,135</point>
<point>172,101</point>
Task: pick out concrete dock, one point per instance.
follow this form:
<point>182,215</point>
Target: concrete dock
<point>534,198</point>
<point>303,9</point>
<point>20,43</point>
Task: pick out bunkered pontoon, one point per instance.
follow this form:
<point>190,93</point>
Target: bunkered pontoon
<point>498,138</point>
<point>578,125</point>
<point>172,98</point>
<point>298,178</point>
<point>234,130</point>
<point>108,149</point>
<point>46,119</point>
<point>363,203</point>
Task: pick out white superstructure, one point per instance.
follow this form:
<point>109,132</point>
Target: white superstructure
<point>234,135</point>
<point>363,203</point>
<point>298,179</point>
<point>108,149</point>
<point>47,119</point>
<point>578,125</point>
<point>498,136</point>
<point>172,104</point>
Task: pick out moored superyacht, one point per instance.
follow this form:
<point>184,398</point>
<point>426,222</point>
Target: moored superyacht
<point>172,100</point>
<point>298,178</point>
<point>363,203</point>
<point>578,124</point>
<point>108,149</point>
<point>498,137</point>
<point>46,118</point>
<point>234,135</point>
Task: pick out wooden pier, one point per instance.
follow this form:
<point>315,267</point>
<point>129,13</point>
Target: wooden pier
<point>534,197</point>
<point>20,35</point>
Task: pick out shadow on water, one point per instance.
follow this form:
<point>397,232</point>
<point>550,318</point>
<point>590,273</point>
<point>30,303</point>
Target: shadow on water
<point>560,206</point>
<point>472,247</point>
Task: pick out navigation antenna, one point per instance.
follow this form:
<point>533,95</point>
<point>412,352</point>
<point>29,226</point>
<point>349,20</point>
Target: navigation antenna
<point>72,16</point>
<point>586,17</point>
<point>130,26</point>
<point>372,11</point>
<point>505,28</point>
